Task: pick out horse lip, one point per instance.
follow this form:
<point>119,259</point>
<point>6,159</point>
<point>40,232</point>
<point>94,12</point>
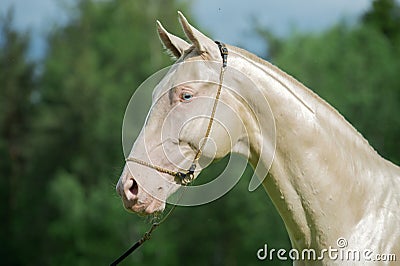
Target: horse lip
<point>137,207</point>
<point>152,207</point>
<point>144,209</point>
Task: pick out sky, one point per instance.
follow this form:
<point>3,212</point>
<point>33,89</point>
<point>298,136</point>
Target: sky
<point>231,21</point>
<point>225,20</point>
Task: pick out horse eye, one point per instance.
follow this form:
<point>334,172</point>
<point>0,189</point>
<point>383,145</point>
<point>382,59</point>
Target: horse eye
<point>186,96</point>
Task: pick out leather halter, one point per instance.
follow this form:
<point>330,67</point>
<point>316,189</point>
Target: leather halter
<point>185,178</point>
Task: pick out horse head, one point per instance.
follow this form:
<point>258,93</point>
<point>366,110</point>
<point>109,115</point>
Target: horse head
<point>175,137</point>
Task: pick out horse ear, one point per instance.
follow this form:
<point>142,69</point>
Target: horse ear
<point>199,40</point>
<point>174,45</point>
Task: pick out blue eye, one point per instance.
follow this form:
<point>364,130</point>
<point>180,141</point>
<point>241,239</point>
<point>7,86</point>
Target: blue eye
<point>186,96</point>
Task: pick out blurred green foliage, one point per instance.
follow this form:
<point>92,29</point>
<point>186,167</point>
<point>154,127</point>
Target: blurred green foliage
<point>17,84</point>
<point>356,69</point>
<point>60,145</point>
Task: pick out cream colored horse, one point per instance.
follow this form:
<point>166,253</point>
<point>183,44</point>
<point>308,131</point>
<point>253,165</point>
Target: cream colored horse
<point>326,181</point>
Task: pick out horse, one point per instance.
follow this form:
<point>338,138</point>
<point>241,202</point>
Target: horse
<point>325,180</point>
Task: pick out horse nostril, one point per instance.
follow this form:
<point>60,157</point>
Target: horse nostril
<point>134,187</point>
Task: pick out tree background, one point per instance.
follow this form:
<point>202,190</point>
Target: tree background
<point>60,126</point>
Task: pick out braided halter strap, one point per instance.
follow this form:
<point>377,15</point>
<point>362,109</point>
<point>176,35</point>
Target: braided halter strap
<point>185,178</point>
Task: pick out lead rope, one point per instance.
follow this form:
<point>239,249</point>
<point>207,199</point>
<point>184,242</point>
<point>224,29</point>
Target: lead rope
<point>183,178</point>
<point>146,235</point>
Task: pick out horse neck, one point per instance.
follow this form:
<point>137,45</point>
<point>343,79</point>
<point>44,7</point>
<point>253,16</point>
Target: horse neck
<point>321,162</point>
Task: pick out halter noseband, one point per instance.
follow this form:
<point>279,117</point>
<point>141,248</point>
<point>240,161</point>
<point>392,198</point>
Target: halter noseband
<point>184,178</point>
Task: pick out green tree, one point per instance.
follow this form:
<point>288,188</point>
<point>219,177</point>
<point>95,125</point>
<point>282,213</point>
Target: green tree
<point>385,17</point>
<point>17,85</point>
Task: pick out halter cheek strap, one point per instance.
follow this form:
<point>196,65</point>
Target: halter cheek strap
<point>185,178</point>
